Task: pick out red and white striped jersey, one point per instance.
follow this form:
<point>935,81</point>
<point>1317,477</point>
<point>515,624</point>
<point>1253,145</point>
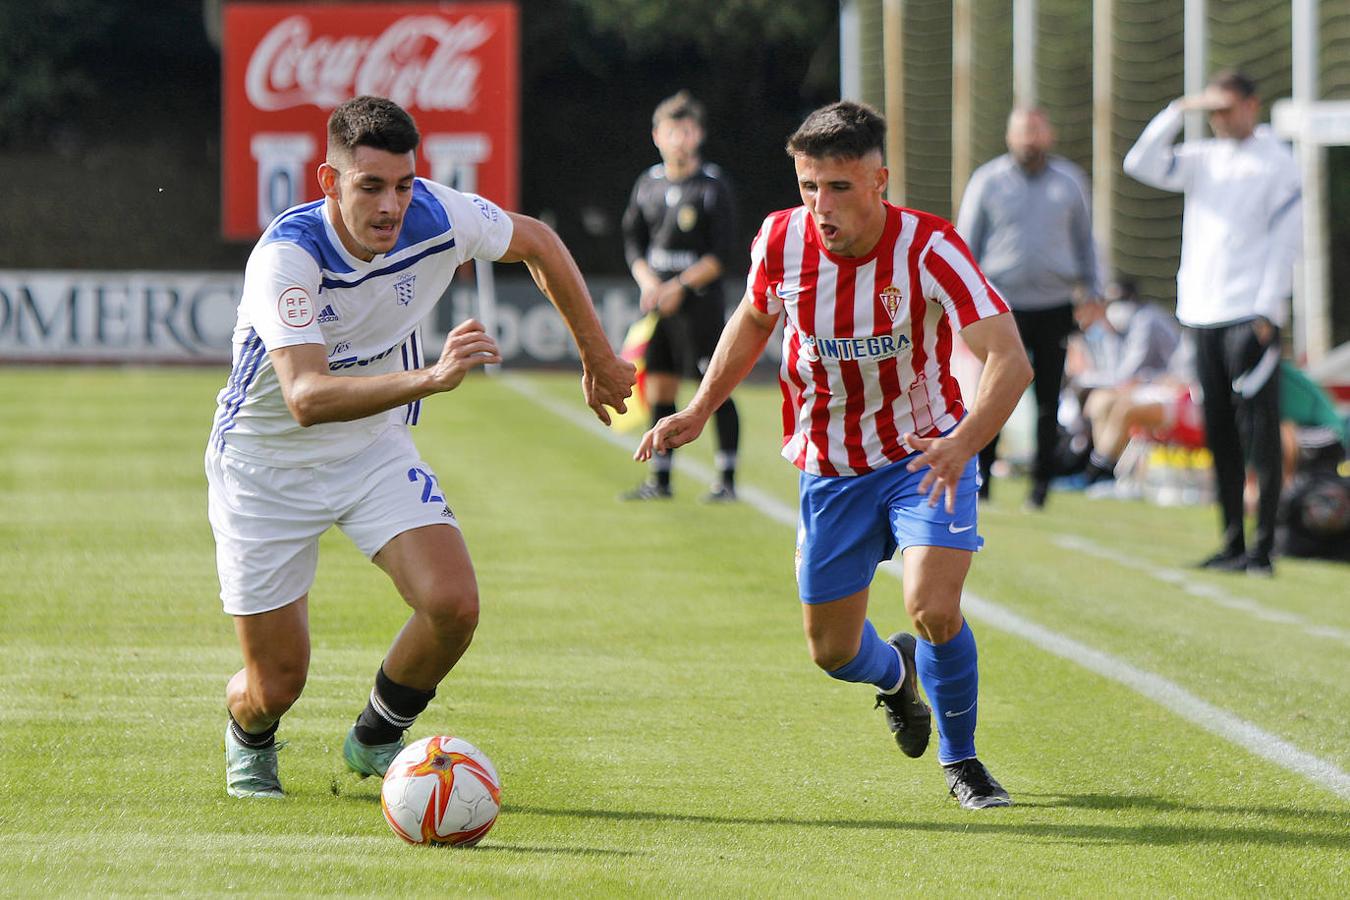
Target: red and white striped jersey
<point>867,341</point>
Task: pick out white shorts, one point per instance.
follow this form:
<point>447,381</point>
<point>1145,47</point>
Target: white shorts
<point>268,520</point>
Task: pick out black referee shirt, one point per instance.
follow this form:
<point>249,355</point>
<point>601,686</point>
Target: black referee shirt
<point>671,224</point>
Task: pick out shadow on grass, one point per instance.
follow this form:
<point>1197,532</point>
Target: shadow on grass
<point>349,787</point>
<point>1162,804</point>
<point>493,847</point>
<point>988,823</point>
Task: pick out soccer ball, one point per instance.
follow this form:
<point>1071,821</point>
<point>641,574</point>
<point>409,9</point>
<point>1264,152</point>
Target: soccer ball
<point>441,790</point>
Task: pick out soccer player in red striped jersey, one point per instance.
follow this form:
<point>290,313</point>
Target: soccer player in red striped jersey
<point>872,296</point>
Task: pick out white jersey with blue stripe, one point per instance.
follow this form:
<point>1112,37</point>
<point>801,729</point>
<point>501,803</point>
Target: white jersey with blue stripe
<point>301,286</point>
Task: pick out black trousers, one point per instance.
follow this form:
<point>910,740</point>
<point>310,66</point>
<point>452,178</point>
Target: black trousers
<point>1045,335</point>
<point>1240,378</point>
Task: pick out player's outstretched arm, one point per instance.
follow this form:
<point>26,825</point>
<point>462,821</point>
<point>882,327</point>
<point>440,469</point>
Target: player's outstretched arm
<point>1006,375</point>
<point>606,379</point>
<point>741,344</point>
<point>313,395</point>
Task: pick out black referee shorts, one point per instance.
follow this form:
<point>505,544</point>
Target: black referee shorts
<point>682,344</point>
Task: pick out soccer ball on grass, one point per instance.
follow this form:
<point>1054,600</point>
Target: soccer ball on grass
<point>441,790</point>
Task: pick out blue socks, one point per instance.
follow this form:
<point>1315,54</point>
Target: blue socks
<point>950,675</point>
<point>876,663</point>
<point>951,678</point>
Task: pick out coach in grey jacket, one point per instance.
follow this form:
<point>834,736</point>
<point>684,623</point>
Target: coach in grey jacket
<point>1027,219</point>
<point>1240,232</point>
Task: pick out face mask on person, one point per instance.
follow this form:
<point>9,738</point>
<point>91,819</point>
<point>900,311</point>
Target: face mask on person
<point>1096,333</point>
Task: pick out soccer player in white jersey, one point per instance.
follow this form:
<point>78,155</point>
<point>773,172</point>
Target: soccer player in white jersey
<point>311,429</point>
<point>872,296</point>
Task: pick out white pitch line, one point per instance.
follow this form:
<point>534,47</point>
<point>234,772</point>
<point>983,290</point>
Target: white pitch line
<point>1215,594</point>
<point>1166,693</point>
<point>765,503</point>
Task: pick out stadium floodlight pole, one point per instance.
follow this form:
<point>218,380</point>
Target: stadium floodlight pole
<point>1024,52</point>
<point>963,82</point>
<point>893,54</point>
<point>1304,35</point>
<point>487,303</point>
<point>454,160</point>
<point>1312,319</point>
<point>1104,162</point>
<point>850,50</point>
<point>1195,62</point>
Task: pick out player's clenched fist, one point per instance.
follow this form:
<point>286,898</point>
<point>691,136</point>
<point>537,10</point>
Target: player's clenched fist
<point>467,345</point>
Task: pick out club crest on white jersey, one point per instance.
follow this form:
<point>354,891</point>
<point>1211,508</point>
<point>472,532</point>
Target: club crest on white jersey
<point>403,289</point>
<point>302,286</point>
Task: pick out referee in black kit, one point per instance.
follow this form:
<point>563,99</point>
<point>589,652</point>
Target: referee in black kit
<point>679,230</point>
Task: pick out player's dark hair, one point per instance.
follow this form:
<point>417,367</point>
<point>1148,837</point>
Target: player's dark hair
<point>679,106</point>
<point>846,130</point>
<point>1239,83</point>
<point>372,122</point>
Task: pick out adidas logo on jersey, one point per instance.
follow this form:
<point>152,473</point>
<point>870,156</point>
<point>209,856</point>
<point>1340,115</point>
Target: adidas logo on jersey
<point>328,314</point>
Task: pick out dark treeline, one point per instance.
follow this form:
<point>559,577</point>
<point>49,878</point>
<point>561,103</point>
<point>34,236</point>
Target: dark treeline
<point>110,119</point>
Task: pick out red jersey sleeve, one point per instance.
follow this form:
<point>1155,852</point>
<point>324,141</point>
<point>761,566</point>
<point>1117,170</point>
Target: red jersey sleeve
<point>766,263</point>
<point>757,281</point>
<point>952,277</point>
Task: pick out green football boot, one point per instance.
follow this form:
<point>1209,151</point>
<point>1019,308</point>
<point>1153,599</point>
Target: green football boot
<point>369,760</point>
<point>251,772</point>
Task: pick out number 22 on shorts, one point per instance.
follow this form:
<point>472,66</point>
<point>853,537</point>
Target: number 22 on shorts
<point>429,485</point>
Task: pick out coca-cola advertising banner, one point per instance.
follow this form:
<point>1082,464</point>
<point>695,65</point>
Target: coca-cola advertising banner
<point>453,66</point>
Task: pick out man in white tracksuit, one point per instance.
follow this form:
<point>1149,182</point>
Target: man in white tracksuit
<point>1240,235</point>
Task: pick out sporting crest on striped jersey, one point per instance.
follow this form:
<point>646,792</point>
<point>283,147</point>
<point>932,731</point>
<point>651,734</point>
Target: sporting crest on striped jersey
<point>890,298</point>
<point>403,289</point>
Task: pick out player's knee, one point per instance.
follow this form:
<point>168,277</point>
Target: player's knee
<point>829,660</point>
<point>828,652</point>
<point>452,611</point>
<point>937,626</point>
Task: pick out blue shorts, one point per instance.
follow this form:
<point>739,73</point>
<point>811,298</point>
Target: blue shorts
<point>849,524</point>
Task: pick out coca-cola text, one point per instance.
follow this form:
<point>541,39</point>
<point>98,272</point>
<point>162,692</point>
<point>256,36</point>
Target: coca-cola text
<point>419,62</point>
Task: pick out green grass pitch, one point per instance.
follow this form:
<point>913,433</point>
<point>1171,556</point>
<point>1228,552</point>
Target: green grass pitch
<point>639,678</point>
